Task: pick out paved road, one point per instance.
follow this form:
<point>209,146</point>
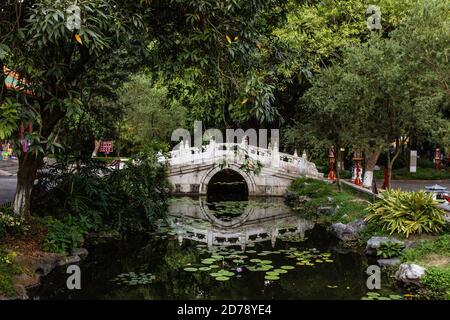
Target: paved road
<point>7,188</point>
<point>415,185</point>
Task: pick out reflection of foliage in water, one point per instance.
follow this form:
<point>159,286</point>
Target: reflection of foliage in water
<point>186,269</point>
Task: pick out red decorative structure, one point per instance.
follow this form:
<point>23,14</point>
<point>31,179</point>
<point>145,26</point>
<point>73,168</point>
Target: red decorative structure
<point>357,156</point>
<point>106,147</point>
<point>437,158</point>
<point>386,179</point>
<point>447,198</point>
<point>331,175</point>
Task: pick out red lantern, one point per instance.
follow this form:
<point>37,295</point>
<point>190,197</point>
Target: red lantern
<point>357,156</point>
<point>331,175</point>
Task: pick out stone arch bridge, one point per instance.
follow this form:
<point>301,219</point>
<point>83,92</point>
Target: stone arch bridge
<point>266,171</point>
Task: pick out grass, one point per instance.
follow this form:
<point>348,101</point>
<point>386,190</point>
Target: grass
<point>434,254</point>
<point>427,250</point>
<point>349,204</point>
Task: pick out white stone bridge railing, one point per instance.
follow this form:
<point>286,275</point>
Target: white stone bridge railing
<point>238,152</point>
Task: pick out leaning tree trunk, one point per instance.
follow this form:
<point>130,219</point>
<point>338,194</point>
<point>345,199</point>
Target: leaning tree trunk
<point>372,156</point>
<point>28,166</point>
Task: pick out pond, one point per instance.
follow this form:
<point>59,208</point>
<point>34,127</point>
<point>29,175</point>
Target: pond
<point>254,249</point>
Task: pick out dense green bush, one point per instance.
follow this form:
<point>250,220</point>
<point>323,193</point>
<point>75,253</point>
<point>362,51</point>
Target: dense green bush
<point>66,234</point>
<point>126,200</point>
<point>406,213</point>
<point>436,284</point>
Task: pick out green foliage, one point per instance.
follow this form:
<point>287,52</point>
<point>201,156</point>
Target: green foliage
<point>390,250</point>
<point>9,114</point>
<point>406,213</point>
<point>66,234</point>
<point>150,116</point>
<point>311,188</point>
<point>439,246</point>
<point>126,200</point>
<point>436,284</point>
<point>349,206</point>
<point>224,57</point>
<point>377,91</point>
<point>144,187</point>
<point>420,174</point>
<point>12,224</point>
<point>251,166</point>
<point>7,270</point>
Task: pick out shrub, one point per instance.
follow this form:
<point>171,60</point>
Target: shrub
<point>12,224</point>
<point>436,284</point>
<point>406,213</point>
<point>126,200</point>
<point>144,188</point>
<point>7,271</point>
<point>390,250</point>
<point>65,235</point>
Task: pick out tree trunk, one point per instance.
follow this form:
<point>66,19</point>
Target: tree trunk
<point>372,156</point>
<point>338,180</point>
<point>28,166</point>
<point>391,160</point>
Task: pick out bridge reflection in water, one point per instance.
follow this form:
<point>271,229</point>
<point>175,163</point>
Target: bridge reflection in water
<point>260,220</point>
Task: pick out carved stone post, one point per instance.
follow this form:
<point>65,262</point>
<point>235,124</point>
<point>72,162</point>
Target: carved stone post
<point>275,156</point>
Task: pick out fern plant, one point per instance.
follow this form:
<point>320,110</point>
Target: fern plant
<point>407,213</point>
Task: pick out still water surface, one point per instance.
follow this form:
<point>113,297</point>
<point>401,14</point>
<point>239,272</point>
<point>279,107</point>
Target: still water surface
<point>255,249</point>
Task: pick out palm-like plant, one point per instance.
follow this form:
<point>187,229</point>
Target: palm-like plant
<point>407,213</point>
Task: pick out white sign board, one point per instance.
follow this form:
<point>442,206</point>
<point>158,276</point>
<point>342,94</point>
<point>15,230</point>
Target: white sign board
<point>413,161</point>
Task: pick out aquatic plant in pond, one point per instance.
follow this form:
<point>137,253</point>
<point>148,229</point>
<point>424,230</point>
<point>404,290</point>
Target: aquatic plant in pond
<point>233,261</point>
<point>378,296</point>
<point>134,279</point>
<point>189,267</point>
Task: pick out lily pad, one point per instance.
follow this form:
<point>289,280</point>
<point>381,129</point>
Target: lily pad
<point>204,268</point>
<point>272,278</point>
<point>190,269</point>
<point>280,271</point>
<point>222,278</point>
<point>287,267</point>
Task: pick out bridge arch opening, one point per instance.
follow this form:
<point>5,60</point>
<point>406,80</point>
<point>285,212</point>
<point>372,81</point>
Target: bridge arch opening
<point>227,185</point>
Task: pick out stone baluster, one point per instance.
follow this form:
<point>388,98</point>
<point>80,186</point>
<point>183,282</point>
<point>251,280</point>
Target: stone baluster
<point>187,150</point>
<point>296,160</point>
<point>212,148</point>
<point>275,156</point>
